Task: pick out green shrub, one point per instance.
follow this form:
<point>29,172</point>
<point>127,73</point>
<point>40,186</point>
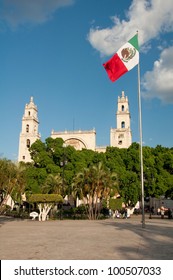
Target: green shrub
<point>115,204</point>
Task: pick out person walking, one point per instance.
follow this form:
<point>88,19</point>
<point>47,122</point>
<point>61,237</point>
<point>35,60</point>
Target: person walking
<point>162,212</point>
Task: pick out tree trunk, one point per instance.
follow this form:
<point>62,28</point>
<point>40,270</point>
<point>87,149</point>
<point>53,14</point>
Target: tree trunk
<point>44,209</point>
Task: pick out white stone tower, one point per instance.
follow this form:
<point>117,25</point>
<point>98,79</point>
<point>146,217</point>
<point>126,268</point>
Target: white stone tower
<point>29,133</point>
<point>121,136</point>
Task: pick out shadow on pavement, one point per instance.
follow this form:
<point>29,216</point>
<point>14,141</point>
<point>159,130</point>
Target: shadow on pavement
<point>7,219</point>
<point>111,239</point>
<point>155,241</point>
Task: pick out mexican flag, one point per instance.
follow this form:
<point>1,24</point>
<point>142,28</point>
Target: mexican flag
<point>124,60</point>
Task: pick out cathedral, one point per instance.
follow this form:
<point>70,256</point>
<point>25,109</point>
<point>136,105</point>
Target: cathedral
<point>120,136</point>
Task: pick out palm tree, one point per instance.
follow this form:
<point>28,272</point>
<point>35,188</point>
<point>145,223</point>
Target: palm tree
<point>53,185</point>
<point>93,185</point>
<point>12,182</point>
<point>76,188</point>
<point>20,184</point>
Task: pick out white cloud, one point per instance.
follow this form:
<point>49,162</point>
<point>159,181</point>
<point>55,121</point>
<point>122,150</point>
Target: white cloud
<point>158,83</point>
<point>150,18</point>
<point>20,12</point>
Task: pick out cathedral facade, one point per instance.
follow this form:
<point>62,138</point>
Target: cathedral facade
<point>120,136</point>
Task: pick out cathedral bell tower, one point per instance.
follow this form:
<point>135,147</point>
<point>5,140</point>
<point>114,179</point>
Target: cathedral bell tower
<point>29,133</point>
<point>121,136</point>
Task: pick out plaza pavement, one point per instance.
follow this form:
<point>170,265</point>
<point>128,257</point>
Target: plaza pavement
<point>111,239</point>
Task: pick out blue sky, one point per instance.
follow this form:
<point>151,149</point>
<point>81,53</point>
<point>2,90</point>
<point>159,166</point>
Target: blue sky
<point>54,50</point>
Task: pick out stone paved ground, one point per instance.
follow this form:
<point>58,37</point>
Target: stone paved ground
<point>86,240</point>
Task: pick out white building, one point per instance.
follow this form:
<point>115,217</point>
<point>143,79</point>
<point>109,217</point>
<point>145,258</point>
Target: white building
<point>120,137</point>
<point>29,133</point>
<point>79,139</point>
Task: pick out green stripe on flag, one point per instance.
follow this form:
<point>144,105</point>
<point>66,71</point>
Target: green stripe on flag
<point>134,41</point>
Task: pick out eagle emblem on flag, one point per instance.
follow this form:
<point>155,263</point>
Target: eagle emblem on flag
<point>128,54</point>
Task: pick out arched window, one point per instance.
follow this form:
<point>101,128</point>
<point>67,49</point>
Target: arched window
<point>122,108</point>
<point>123,124</point>
<point>28,143</point>
<point>29,113</point>
<point>27,128</point>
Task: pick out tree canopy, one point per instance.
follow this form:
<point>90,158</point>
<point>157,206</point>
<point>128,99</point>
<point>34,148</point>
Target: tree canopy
<point>55,168</point>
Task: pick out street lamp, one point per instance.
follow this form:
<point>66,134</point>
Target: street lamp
<point>149,180</point>
<point>63,163</point>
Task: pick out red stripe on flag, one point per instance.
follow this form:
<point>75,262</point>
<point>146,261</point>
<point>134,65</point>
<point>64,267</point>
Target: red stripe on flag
<point>115,68</point>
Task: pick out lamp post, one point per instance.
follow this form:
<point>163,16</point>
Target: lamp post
<point>30,192</point>
<point>63,164</point>
<point>149,184</point>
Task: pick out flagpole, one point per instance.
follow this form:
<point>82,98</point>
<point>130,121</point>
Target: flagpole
<point>141,151</point>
